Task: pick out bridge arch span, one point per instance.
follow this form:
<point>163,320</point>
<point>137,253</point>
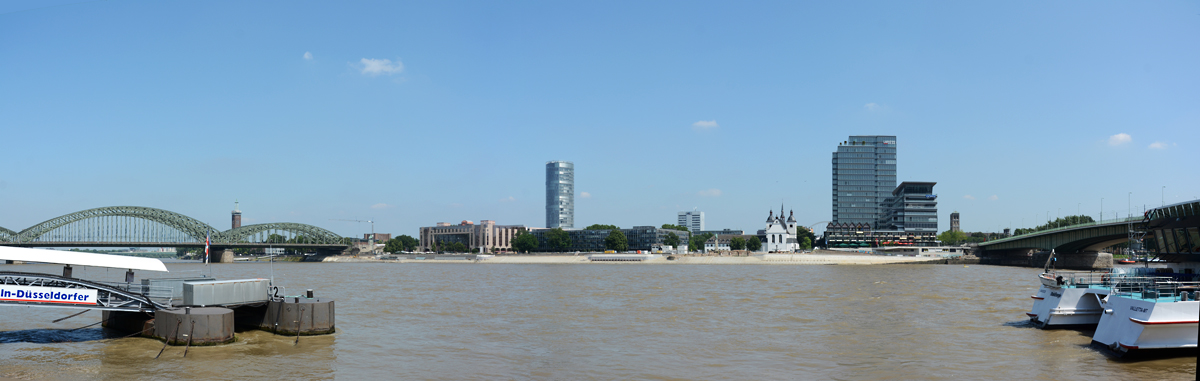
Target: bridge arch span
<point>261,233</point>
<point>7,235</point>
<point>193,228</point>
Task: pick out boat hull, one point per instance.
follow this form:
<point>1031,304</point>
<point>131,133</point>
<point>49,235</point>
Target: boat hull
<point>1063,307</point>
<point>1129,325</point>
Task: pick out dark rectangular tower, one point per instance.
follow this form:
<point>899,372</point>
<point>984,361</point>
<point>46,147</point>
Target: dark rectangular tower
<point>864,175</point>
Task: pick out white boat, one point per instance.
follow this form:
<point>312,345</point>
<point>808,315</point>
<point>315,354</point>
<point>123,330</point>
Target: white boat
<point>1069,298</point>
<point>1153,316</point>
<point>1158,312</point>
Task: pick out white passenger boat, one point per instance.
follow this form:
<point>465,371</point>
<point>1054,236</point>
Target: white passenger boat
<point>1069,298</point>
<point>1158,312</point>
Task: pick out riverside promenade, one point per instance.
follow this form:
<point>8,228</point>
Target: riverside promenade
<point>687,259</point>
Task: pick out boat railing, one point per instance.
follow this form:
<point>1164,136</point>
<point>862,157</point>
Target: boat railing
<point>1168,289</point>
<point>161,294</point>
<point>1083,279</point>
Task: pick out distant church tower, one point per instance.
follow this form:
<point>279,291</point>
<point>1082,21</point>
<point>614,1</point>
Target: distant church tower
<point>237,216</point>
<point>954,222</point>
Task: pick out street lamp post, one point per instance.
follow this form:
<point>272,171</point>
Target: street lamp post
<point>1161,195</point>
<point>1128,209</point>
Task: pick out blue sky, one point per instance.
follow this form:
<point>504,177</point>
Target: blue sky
<point>411,114</point>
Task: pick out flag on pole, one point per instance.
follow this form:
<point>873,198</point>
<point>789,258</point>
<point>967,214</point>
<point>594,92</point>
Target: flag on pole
<point>207,240</point>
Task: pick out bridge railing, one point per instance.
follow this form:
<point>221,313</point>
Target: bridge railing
<point>1125,220</point>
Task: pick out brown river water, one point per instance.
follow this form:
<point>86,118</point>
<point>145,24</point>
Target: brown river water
<point>610,321</point>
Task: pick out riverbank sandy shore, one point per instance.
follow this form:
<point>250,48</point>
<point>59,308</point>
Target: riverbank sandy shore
<point>761,259</point>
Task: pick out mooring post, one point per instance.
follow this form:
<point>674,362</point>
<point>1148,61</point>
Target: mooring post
<point>189,343</point>
<point>310,293</point>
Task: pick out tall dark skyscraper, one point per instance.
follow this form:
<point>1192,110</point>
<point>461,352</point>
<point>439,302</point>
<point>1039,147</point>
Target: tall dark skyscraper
<point>560,194</point>
<point>864,175</point>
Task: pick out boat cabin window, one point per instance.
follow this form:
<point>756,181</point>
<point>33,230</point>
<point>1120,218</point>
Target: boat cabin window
<point>1194,234</point>
<point>1188,271</point>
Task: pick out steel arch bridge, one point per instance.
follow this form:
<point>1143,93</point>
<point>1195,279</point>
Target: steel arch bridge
<point>150,227</point>
<point>1087,237</point>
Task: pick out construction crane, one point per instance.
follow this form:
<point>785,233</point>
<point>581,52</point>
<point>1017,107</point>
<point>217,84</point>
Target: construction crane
<point>369,241</point>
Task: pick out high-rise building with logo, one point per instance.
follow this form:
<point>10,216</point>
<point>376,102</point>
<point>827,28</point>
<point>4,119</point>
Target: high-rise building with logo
<point>693,220</point>
<point>864,175</point>
<point>560,194</point>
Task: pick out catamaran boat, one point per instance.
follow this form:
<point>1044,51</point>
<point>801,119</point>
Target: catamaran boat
<point>1159,311</point>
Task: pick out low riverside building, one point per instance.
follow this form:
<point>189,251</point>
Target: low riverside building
<point>485,234</point>
<point>638,238</point>
<point>720,242</point>
<point>846,235</point>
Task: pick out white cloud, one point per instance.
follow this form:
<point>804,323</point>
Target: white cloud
<point>508,199</point>
<point>308,55</point>
<point>1158,145</point>
<point>374,67</point>
<point>1119,139</point>
<point>710,192</point>
<point>585,195</point>
<point>705,125</point>
<point>872,107</point>
<point>993,197</point>
<point>969,197</point>
<point>380,206</point>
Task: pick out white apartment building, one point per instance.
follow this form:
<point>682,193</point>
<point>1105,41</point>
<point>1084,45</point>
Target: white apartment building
<point>693,220</point>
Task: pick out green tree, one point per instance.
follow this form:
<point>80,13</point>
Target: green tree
<point>616,241</point>
<point>393,246</point>
<point>672,240</point>
<point>601,227</point>
<point>524,242</point>
<point>276,238</point>
<point>558,240</point>
<point>806,243</point>
<point>675,227</point>
<point>753,244</point>
<point>950,237</point>
<point>458,247</point>
<point>737,243</point>
<point>407,243</point>
<point>805,237</point>
<point>696,243</point>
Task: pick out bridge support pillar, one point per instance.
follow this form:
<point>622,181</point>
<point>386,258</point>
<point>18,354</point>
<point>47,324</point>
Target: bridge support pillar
<point>217,255</point>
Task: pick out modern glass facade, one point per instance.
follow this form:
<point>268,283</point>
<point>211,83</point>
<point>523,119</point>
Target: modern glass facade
<point>560,194</point>
<point>912,207</point>
<point>864,175</point>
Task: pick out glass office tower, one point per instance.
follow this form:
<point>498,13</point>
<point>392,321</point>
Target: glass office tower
<point>560,194</point>
<point>864,175</point>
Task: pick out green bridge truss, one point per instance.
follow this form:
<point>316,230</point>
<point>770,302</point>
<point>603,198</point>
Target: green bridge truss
<point>1068,239</point>
<point>109,222</point>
